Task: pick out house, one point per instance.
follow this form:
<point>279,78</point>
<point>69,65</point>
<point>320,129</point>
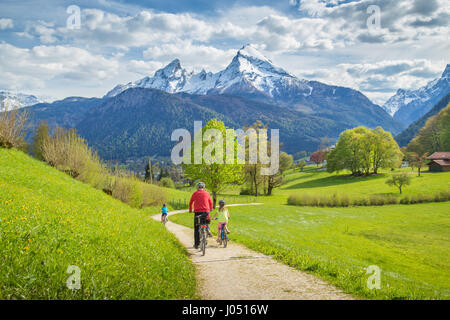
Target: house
<point>439,162</point>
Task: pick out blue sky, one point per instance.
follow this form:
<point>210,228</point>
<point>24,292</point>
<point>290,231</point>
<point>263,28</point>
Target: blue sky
<point>122,41</point>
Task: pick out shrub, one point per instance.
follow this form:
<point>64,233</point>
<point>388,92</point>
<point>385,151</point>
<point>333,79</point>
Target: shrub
<point>12,125</point>
<point>68,152</point>
<point>405,200</point>
<point>128,190</point>
<point>167,183</point>
<point>152,195</point>
<point>336,200</point>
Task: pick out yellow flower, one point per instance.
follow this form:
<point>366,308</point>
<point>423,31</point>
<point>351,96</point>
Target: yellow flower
<point>26,248</point>
<point>59,251</point>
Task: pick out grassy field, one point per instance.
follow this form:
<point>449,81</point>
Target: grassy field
<point>409,243</point>
<point>324,182</point>
<point>49,221</point>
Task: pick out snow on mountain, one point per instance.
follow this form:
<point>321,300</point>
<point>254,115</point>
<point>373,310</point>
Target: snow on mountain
<point>249,70</point>
<point>409,105</point>
<point>17,100</point>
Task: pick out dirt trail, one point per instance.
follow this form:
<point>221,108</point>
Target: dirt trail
<point>237,272</point>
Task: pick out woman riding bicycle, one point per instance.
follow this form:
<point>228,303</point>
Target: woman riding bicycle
<point>222,216</point>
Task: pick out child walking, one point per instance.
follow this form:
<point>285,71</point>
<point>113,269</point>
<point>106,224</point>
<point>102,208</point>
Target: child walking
<point>222,215</point>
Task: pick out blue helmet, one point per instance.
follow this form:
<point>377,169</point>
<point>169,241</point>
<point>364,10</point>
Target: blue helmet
<point>222,202</point>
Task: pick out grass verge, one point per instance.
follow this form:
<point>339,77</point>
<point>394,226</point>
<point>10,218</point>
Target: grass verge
<point>49,221</point>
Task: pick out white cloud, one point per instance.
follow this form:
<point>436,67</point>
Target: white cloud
<point>381,79</point>
<point>30,68</point>
<point>6,23</point>
<point>328,41</point>
<point>195,56</point>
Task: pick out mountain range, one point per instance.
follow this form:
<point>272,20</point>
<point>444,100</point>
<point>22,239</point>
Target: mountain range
<point>136,119</point>
<point>17,100</point>
<point>407,106</point>
<point>409,133</point>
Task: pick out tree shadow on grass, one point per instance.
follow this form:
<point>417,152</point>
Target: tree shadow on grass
<point>333,181</point>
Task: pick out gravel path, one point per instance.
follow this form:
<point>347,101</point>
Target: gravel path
<point>238,273</point>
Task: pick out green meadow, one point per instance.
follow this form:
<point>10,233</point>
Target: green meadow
<point>49,221</point>
<point>409,243</point>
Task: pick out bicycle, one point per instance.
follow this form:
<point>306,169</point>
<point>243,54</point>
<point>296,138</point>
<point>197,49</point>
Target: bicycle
<point>223,236</point>
<point>202,233</point>
<point>165,218</point>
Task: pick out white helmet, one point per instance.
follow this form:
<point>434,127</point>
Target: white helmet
<point>201,185</point>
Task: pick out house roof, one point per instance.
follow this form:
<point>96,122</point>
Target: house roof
<point>440,156</point>
<point>443,163</point>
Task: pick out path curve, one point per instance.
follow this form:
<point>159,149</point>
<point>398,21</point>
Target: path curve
<point>238,273</point>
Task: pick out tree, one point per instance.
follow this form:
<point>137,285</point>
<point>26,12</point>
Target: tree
<point>273,182</point>
<point>167,182</point>
<point>301,165</point>
<point>418,161</point>
<point>149,171</point>
<point>12,127</point>
<point>163,173</point>
<point>434,136</point>
<point>385,151</point>
<point>41,135</point>
<point>215,175</point>
<point>252,171</point>
<point>361,149</point>
<point>399,180</point>
<point>318,157</point>
<point>286,161</point>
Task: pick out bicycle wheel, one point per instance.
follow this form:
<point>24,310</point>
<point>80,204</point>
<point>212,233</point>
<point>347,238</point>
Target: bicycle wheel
<point>203,244</point>
<point>224,239</point>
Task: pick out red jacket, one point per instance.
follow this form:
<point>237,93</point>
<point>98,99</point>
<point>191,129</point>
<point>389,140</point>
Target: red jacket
<point>202,201</point>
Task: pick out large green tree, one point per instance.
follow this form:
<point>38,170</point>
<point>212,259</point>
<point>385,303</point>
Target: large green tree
<point>361,150</point>
<point>215,175</point>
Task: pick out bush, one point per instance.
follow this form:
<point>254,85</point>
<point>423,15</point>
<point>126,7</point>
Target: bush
<point>336,200</point>
<point>68,152</point>
<point>167,183</point>
<point>128,190</point>
<point>12,125</point>
<point>152,195</point>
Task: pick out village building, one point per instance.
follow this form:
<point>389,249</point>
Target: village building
<point>439,162</point>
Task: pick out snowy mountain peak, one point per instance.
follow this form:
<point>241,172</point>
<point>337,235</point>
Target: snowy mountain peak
<point>170,70</point>
<point>409,105</point>
<point>250,52</point>
<point>12,101</point>
<point>249,60</point>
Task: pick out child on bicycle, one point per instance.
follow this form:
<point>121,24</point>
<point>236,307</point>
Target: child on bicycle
<point>164,211</point>
<point>222,215</point>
